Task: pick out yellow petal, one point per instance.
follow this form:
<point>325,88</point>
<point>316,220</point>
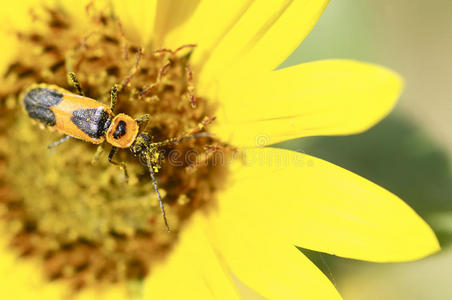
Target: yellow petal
<point>317,205</point>
<point>137,18</point>
<point>170,15</point>
<point>263,259</point>
<point>193,270</point>
<point>331,97</point>
<point>75,9</point>
<point>261,37</point>
<point>16,15</point>
<point>208,23</point>
<point>9,52</point>
<point>264,36</point>
<point>22,278</point>
<point>110,292</point>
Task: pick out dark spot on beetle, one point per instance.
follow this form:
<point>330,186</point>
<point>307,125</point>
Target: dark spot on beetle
<point>120,130</point>
<point>42,114</point>
<point>91,121</point>
<point>42,97</point>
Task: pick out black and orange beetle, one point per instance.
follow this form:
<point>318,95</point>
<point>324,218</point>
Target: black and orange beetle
<point>89,120</point>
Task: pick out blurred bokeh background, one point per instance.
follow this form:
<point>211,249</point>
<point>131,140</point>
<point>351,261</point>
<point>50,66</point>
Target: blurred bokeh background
<point>410,152</point>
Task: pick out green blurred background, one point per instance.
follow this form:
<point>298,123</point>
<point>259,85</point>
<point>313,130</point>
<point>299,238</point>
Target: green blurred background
<point>410,152</point>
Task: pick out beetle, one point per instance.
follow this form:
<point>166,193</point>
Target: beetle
<point>83,118</point>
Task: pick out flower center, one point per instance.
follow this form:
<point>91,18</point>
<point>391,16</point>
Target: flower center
<point>84,221</point>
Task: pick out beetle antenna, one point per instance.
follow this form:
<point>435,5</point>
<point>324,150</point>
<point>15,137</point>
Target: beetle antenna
<point>180,139</point>
<point>154,182</point>
<point>194,133</point>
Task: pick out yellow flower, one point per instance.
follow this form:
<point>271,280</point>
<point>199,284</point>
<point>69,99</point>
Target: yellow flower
<point>274,199</point>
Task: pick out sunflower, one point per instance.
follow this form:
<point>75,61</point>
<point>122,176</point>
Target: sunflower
<point>208,65</point>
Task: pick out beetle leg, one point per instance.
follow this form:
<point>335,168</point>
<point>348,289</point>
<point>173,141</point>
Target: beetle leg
<point>58,142</point>
<point>121,164</point>
<point>72,79</point>
<point>99,151</point>
<point>143,119</point>
<point>114,96</point>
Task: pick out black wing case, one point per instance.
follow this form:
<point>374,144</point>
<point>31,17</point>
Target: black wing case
<point>37,103</point>
<point>92,121</point>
